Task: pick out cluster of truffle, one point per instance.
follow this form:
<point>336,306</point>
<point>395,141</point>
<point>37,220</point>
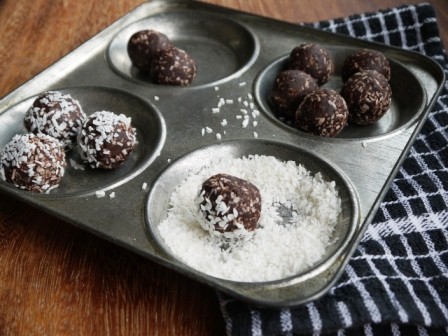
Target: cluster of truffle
<point>298,98</point>
<point>152,52</point>
<point>229,206</point>
<point>36,161</point>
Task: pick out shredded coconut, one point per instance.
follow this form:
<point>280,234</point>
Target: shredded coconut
<point>100,193</point>
<point>298,214</point>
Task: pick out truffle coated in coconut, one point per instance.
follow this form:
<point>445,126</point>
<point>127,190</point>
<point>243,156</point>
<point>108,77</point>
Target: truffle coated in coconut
<point>290,88</point>
<point>144,45</point>
<point>106,140</point>
<point>33,162</point>
<point>173,66</point>
<point>229,206</point>
<point>368,96</point>
<point>365,59</point>
<point>314,60</point>
<point>323,112</point>
<point>57,115</point>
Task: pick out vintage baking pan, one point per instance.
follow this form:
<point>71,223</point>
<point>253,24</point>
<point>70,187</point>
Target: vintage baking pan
<point>238,55</point>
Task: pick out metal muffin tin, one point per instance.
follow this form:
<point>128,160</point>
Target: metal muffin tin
<point>237,55</point>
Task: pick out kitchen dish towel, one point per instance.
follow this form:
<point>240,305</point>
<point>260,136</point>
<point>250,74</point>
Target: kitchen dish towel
<point>397,281</point>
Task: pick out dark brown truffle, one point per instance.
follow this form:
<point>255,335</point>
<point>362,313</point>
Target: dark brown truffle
<point>173,66</point>
<point>144,45</point>
<point>323,112</point>
<point>314,60</point>
<point>57,115</point>
<point>365,59</point>
<point>229,206</point>
<point>106,139</point>
<point>368,97</point>
<point>290,87</point>
<point>33,162</point>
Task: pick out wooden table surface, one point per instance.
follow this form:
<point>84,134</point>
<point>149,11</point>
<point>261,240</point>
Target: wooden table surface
<point>56,279</point>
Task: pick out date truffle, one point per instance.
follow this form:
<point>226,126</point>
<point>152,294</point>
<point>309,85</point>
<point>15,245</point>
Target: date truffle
<point>323,112</point>
<point>173,66</point>
<point>368,97</point>
<point>290,88</point>
<point>106,139</point>
<point>33,162</point>
<point>314,60</point>
<point>57,115</point>
<point>229,206</point>
<point>365,59</point>
<point>144,45</point>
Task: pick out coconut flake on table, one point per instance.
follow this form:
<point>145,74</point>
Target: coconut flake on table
<point>281,246</point>
<point>100,193</point>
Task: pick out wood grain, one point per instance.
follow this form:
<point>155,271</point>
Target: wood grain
<point>56,279</point>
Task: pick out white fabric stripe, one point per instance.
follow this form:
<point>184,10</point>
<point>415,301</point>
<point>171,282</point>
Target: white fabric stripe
<point>391,277</point>
<point>420,305</point>
<point>332,25</point>
<point>370,305</point>
<point>344,314</point>
<point>404,318</point>
<point>368,330</point>
<point>417,31</point>
<point>432,255</point>
<point>369,35</point>
<point>341,332</point>
<point>401,29</point>
<point>349,26</point>
<point>223,305</point>
<point>407,198</point>
<point>256,323</point>
<point>422,331</point>
<point>435,39</point>
<point>384,29</point>
<point>314,317</point>
<point>430,221</point>
<point>286,321</point>
<point>395,329</point>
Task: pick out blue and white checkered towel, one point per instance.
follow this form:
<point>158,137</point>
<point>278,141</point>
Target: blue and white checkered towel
<point>397,281</point>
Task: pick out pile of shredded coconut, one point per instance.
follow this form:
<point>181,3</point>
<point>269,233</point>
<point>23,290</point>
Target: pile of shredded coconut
<point>298,214</point>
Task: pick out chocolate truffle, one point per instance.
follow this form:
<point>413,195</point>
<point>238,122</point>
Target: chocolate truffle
<point>323,112</point>
<point>144,45</point>
<point>106,139</point>
<point>314,60</point>
<point>365,59</point>
<point>368,97</point>
<point>173,66</point>
<point>33,162</point>
<point>290,87</point>
<point>229,206</point>
<point>57,115</point>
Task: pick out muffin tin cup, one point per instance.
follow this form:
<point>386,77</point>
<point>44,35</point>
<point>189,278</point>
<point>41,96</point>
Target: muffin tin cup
<point>222,48</point>
<point>181,128</point>
<point>408,98</point>
<point>79,178</point>
<point>191,163</point>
